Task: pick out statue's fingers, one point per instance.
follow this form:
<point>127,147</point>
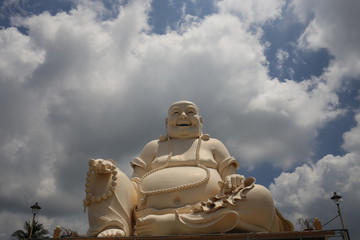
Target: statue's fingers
<point>234,181</point>
<point>227,179</point>
<point>98,168</point>
<point>101,167</point>
<point>105,169</point>
<point>238,181</point>
<point>228,182</point>
<point>242,178</point>
<point>113,233</point>
<point>138,225</point>
<point>92,162</point>
<point>108,167</point>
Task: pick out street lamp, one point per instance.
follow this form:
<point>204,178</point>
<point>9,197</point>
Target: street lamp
<point>35,209</point>
<point>337,199</point>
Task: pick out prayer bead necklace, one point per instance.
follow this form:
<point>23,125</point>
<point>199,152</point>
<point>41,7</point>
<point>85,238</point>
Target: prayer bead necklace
<point>183,186</point>
<point>90,197</point>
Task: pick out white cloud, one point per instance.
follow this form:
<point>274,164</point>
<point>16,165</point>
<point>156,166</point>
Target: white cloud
<point>306,191</point>
<point>275,96</point>
<point>281,56</point>
<point>352,138</point>
<point>19,57</point>
<point>96,78</point>
<point>251,12</point>
<point>334,27</point>
<point>83,87</point>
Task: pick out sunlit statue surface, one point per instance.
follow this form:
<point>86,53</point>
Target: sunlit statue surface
<point>183,183</point>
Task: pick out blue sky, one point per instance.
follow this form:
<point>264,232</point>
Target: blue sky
<point>276,81</point>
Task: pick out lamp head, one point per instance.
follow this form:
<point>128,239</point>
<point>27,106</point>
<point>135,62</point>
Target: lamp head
<point>35,208</point>
<point>336,198</point>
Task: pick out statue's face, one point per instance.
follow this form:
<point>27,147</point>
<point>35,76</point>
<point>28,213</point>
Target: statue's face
<point>183,120</point>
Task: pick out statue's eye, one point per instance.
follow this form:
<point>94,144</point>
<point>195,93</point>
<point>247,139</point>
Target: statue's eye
<point>176,113</point>
<point>191,111</point>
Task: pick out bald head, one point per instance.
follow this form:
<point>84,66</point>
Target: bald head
<point>183,103</point>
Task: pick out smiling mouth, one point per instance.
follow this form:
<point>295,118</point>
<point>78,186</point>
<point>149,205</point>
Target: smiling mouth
<point>183,125</point>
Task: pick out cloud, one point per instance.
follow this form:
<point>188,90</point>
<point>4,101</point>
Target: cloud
<point>352,138</point>
<point>252,12</point>
<point>281,56</point>
<point>46,84</point>
<point>333,26</point>
<point>19,56</point>
<point>306,191</point>
<point>79,86</point>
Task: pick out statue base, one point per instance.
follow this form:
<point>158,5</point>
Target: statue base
<point>304,235</point>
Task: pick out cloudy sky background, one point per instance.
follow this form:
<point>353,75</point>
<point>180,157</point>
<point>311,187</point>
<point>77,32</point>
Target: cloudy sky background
<point>276,81</point>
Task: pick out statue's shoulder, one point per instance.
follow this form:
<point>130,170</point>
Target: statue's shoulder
<point>153,144</point>
<point>216,146</point>
<point>150,148</point>
<point>213,143</point>
<point>209,140</point>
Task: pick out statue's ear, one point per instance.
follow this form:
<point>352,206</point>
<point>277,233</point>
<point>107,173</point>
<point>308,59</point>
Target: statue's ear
<point>166,122</point>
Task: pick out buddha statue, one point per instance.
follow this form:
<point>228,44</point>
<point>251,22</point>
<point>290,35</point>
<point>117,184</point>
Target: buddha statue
<point>182,183</point>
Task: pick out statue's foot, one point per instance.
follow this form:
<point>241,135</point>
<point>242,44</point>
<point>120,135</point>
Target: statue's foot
<point>112,232</point>
<point>155,225</point>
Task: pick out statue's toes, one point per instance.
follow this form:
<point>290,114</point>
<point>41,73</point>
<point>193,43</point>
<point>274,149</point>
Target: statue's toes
<point>119,233</point>
<point>112,233</point>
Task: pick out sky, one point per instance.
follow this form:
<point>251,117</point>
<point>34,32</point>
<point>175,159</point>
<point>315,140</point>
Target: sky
<point>276,81</point>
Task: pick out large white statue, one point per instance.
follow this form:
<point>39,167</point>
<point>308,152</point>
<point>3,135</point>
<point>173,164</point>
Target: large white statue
<point>183,183</point>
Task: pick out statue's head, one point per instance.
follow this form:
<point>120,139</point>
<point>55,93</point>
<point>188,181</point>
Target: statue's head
<point>183,120</point>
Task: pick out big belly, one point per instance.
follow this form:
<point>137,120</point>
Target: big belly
<point>170,178</point>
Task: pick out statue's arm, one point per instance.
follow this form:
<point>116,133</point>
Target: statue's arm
<point>142,164</point>
<point>227,165</point>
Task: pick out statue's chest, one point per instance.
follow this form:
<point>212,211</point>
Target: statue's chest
<point>187,158</point>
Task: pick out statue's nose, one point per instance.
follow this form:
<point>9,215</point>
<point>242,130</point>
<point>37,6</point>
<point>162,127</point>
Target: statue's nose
<point>183,116</point>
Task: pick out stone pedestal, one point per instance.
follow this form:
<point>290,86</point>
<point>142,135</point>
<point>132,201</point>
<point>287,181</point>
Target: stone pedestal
<point>305,235</point>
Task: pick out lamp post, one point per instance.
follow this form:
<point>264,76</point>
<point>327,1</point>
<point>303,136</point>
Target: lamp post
<point>337,199</point>
<point>344,232</point>
<point>35,209</point>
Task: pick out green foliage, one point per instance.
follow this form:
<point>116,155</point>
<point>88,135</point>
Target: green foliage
<point>38,231</point>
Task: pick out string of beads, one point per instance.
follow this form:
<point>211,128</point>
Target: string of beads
<point>183,186</point>
<point>93,166</point>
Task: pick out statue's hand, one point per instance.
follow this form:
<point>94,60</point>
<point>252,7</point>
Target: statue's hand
<point>234,180</point>
<point>102,166</point>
